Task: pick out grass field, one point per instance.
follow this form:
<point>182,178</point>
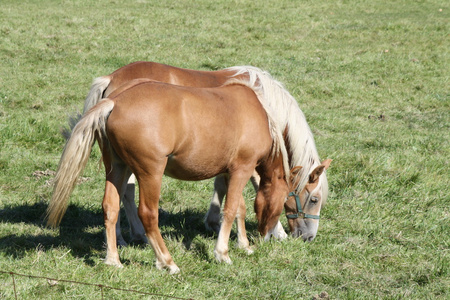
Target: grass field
<point>372,77</point>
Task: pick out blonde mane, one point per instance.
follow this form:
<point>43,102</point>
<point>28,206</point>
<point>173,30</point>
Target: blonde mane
<point>288,116</point>
<point>275,130</point>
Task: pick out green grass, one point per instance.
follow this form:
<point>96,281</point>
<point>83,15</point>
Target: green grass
<point>385,229</point>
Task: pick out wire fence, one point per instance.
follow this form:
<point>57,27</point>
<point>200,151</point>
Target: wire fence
<point>54,281</point>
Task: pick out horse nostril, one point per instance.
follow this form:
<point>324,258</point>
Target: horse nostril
<point>297,234</point>
<point>308,238</point>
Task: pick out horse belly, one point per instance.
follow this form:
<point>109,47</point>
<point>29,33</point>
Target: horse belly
<point>194,167</point>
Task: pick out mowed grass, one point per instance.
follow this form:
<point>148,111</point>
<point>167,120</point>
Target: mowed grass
<point>372,78</point>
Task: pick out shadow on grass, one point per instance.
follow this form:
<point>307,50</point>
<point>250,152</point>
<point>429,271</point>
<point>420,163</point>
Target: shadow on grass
<point>82,230</point>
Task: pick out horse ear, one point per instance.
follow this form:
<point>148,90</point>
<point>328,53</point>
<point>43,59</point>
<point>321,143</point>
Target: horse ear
<point>315,174</point>
<point>294,172</point>
<point>327,163</point>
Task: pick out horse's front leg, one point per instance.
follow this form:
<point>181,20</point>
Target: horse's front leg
<point>237,182</point>
<point>149,190</point>
<point>243,242</point>
<point>212,218</point>
<point>123,199</point>
<point>136,229</point>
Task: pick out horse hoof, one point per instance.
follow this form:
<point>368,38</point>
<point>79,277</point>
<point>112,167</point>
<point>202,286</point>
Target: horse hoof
<point>113,263</point>
<point>249,250</point>
<point>222,258</point>
<point>173,268</point>
<point>227,260</point>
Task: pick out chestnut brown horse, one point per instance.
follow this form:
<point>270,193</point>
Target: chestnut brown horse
<point>298,137</point>
<point>119,79</point>
<point>154,128</point>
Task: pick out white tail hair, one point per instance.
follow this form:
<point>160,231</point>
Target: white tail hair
<point>95,94</point>
<point>75,156</point>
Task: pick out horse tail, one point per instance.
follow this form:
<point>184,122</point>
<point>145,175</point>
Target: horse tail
<point>94,96</point>
<point>96,92</point>
<point>75,156</point>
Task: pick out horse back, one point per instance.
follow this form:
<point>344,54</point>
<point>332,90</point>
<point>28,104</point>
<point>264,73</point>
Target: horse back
<point>167,74</point>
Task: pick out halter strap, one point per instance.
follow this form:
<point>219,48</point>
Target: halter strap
<point>300,212</point>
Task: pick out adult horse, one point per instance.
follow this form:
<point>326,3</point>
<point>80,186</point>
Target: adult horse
<point>103,87</point>
<point>298,135</point>
<point>154,128</point>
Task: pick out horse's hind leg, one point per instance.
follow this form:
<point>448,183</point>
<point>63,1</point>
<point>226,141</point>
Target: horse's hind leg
<point>115,179</point>
<point>119,238</point>
<point>255,179</point>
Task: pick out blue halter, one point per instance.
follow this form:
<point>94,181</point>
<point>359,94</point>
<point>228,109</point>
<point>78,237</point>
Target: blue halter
<point>300,213</point>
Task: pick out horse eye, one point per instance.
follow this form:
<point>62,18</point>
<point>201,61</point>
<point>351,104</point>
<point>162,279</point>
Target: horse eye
<point>314,199</point>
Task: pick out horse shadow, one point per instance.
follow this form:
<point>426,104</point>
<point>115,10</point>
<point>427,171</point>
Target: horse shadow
<point>79,230</point>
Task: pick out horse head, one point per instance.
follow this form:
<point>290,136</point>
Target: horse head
<point>303,208</point>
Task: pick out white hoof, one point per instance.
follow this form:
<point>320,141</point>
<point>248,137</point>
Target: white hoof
<point>249,250</point>
<point>222,257</point>
<point>113,262</point>
<point>246,248</point>
<point>173,269</point>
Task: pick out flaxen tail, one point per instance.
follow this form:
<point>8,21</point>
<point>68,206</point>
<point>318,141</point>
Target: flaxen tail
<point>75,156</point>
<point>94,96</point>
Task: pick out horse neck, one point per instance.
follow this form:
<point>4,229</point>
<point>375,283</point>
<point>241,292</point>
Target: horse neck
<point>271,194</point>
<point>286,116</point>
<point>261,83</point>
<point>300,144</point>
<point>272,173</point>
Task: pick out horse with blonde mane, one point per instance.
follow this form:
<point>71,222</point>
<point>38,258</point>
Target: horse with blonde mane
<point>303,206</point>
<point>153,128</point>
<point>299,139</point>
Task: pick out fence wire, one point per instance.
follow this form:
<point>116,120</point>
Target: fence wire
<point>54,281</point>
